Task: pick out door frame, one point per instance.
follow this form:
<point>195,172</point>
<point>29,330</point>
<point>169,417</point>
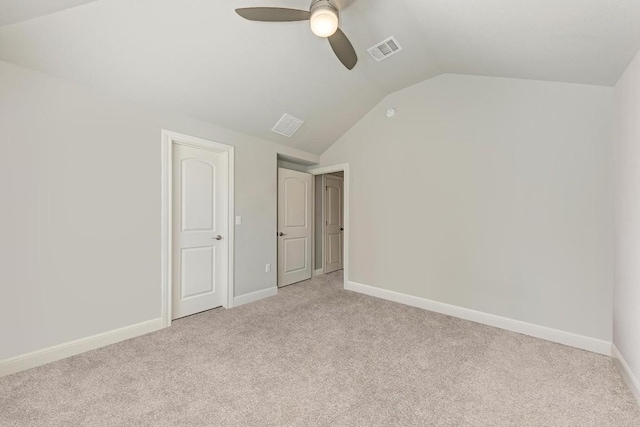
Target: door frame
<point>324,221</point>
<point>323,226</point>
<point>343,167</point>
<point>170,138</point>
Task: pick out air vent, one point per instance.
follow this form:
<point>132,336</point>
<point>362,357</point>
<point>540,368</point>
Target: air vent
<point>385,49</point>
<point>287,125</point>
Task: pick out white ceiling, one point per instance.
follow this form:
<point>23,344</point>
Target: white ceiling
<point>200,59</point>
<point>12,11</point>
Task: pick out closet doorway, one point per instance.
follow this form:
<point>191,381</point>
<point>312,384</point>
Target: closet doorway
<point>329,222</point>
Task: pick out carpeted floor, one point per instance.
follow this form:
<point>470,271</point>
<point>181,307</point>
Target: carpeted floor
<point>318,355</point>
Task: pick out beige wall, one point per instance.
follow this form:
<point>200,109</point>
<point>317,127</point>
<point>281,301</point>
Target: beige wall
<point>487,193</point>
<point>80,217</point>
<point>626,291</point>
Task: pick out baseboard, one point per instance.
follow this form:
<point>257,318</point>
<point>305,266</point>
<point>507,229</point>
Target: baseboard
<point>254,296</point>
<point>625,371</point>
<point>72,348</point>
<point>567,338</point>
<point>318,272</point>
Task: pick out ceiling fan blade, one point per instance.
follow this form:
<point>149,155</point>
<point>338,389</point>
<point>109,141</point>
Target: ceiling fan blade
<point>273,14</point>
<point>343,49</point>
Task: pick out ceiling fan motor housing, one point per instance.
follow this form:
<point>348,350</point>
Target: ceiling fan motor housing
<point>322,4</point>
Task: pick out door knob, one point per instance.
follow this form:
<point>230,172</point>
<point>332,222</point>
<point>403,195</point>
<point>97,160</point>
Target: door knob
<point>218,237</point>
<point>281,234</point>
<point>341,229</point>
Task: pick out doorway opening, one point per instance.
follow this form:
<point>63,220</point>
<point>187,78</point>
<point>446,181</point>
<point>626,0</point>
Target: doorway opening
<point>329,223</point>
<point>331,229</point>
<point>313,221</point>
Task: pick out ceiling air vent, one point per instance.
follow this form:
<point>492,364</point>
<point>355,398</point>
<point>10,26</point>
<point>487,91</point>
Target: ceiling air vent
<point>385,49</point>
<point>287,125</point>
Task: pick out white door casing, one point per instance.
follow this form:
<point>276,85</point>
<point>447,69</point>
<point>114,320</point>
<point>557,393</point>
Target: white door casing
<point>294,226</point>
<point>334,223</point>
<point>200,230</point>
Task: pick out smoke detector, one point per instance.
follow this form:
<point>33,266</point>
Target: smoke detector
<point>385,49</point>
<point>287,125</point>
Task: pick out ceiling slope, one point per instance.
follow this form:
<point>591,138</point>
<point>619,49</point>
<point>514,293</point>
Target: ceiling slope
<point>12,11</point>
<point>200,59</point>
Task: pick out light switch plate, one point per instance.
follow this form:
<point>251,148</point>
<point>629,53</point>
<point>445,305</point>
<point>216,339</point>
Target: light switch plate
<point>267,268</point>
<point>238,220</point>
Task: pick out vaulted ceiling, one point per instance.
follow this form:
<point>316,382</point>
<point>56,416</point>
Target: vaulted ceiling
<point>198,58</point>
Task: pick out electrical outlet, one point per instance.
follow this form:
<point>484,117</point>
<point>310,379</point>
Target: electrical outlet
<point>267,268</point>
<point>238,220</point>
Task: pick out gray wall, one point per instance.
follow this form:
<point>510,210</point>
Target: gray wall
<point>487,193</point>
<point>626,291</point>
<point>80,217</point>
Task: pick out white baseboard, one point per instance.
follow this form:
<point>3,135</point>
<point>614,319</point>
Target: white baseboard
<point>72,348</point>
<point>625,371</point>
<point>318,272</point>
<point>254,296</point>
<point>567,338</point>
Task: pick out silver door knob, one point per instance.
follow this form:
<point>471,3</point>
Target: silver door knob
<point>218,237</point>
<point>281,234</point>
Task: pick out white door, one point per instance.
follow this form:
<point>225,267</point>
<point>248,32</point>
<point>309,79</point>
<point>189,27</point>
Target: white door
<point>294,226</point>
<point>200,245</point>
<point>334,225</point>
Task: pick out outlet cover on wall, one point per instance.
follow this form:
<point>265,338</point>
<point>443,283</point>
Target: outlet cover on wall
<point>267,268</point>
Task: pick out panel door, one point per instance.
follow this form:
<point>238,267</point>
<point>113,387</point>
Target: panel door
<point>294,226</point>
<point>200,248</point>
<point>334,225</point>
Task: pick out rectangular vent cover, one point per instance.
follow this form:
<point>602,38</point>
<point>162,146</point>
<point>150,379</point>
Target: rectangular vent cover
<point>385,49</point>
<point>287,125</point>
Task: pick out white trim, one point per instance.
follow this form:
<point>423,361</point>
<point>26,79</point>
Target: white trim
<point>567,338</point>
<point>343,167</point>
<point>626,372</point>
<point>313,222</point>
<point>255,296</point>
<point>72,348</point>
<point>318,272</point>
<point>323,218</point>
<point>231,257</point>
<point>168,139</point>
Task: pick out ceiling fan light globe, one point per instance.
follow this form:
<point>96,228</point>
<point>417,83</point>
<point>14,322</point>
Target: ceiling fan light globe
<point>324,22</point>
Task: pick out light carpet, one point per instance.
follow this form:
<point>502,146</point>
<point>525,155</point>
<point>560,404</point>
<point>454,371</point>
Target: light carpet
<point>316,354</point>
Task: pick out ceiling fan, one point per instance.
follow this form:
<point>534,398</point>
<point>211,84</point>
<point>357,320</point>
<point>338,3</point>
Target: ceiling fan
<point>324,20</point>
